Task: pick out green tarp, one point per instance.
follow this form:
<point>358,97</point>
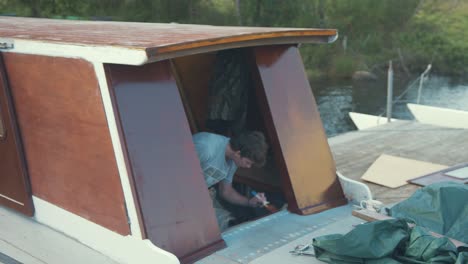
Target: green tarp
<point>440,207</point>
<point>387,242</point>
<point>366,243</point>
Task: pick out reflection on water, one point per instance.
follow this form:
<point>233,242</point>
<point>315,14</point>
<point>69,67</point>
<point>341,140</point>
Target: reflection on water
<point>336,100</point>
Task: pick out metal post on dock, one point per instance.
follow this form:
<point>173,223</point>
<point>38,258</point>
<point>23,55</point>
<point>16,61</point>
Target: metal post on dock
<point>389,92</point>
<point>421,80</point>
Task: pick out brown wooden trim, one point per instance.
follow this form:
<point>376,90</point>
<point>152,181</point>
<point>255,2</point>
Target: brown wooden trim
<point>2,127</point>
<point>123,144</point>
<point>243,38</point>
<point>203,252</point>
<point>317,208</point>
<point>372,216</point>
<point>155,54</point>
<point>11,141</point>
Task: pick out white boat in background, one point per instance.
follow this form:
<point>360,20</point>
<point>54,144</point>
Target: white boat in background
<point>439,116</point>
<point>364,121</point>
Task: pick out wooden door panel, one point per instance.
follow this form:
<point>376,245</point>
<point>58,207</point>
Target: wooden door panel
<point>294,125</point>
<point>174,200</point>
<point>15,191</point>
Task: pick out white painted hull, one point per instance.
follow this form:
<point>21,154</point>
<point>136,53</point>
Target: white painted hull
<point>364,121</point>
<point>439,116</point>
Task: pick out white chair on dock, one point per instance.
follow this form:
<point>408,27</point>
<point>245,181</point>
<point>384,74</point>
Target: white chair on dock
<point>354,191</point>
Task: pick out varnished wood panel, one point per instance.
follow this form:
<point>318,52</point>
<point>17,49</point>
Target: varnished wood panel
<point>15,191</point>
<point>67,143</point>
<point>299,141</point>
<point>194,73</point>
<point>155,39</point>
<point>175,204</point>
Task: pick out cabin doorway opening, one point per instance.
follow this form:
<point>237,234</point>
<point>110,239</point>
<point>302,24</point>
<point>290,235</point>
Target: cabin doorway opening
<point>220,94</point>
<point>162,104</point>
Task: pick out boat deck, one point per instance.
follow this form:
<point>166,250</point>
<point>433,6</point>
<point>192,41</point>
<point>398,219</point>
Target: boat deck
<point>269,239</point>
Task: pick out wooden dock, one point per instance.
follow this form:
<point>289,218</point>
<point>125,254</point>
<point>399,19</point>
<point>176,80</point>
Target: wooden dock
<point>355,151</point>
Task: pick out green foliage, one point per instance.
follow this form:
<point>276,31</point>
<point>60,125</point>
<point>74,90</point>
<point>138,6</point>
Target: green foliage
<point>343,66</point>
<point>436,36</point>
<point>371,32</point>
<point>214,13</point>
<point>277,13</point>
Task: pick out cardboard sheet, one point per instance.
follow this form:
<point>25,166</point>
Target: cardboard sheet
<point>393,172</point>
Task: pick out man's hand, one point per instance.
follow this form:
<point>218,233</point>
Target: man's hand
<point>258,200</point>
<point>229,194</point>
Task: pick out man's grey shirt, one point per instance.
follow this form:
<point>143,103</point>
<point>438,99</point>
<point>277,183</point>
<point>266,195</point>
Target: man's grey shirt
<point>211,149</point>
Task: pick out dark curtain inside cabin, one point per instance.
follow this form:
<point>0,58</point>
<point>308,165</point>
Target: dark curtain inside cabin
<point>229,87</point>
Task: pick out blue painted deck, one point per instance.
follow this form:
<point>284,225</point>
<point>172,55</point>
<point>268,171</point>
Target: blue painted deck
<point>251,241</point>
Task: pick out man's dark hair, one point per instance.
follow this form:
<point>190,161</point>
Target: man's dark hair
<point>252,145</point>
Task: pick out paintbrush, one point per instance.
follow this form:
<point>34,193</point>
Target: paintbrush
<point>265,204</point>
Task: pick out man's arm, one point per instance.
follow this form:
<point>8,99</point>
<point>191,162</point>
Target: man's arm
<point>231,195</point>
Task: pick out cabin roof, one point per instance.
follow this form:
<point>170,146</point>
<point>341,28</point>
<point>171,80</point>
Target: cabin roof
<point>158,41</point>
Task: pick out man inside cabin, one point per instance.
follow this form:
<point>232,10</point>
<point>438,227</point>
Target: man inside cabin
<point>220,157</point>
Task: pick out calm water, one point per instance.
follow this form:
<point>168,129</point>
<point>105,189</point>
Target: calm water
<point>335,100</point>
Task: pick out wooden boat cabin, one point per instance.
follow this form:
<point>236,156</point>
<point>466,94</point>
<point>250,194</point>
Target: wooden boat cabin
<point>96,127</point>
